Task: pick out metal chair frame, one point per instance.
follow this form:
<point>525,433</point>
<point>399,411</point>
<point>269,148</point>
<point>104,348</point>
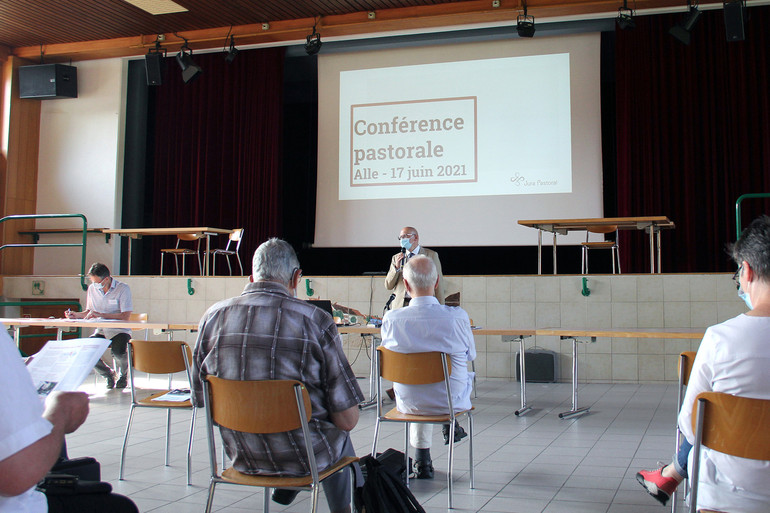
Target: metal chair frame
<point>183,252</point>
<point>611,245</point>
<point>236,236</point>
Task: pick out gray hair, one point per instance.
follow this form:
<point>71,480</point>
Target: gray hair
<point>420,272</point>
<point>754,247</point>
<point>274,260</point>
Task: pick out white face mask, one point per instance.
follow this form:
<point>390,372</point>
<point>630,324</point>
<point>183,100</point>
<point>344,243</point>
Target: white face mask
<point>746,299</point>
<point>406,243</point>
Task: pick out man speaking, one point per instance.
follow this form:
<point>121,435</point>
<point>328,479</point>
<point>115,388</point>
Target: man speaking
<point>410,247</point>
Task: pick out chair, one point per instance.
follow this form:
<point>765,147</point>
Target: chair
<point>419,369</point>
<point>236,236</point>
<point>686,359</point>
<point>608,244</point>
<point>159,357</point>
<point>183,252</point>
<point>263,407</point>
<point>731,425</point>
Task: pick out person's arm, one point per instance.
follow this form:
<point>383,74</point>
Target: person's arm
<point>440,293</point>
<point>120,316</point>
<point>345,420</point>
<point>66,411</point>
<point>394,272</point>
<point>700,381</point>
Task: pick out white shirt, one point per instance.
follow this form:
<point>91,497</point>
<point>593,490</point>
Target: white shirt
<point>425,325</point>
<point>734,358</point>
<point>117,299</point>
<point>21,421</point>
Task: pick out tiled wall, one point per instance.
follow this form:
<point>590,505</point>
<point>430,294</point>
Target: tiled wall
<point>623,301</point>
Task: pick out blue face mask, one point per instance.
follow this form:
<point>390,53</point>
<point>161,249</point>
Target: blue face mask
<point>746,299</point>
<point>406,243</point>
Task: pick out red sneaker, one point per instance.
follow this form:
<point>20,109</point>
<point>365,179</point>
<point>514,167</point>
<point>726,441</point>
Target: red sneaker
<point>656,485</point>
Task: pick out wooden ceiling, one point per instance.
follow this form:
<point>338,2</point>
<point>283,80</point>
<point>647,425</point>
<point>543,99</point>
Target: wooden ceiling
<point>87,29</point>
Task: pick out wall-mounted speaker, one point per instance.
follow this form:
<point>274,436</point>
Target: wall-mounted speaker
<point>152,62</point>
<point>735,28</point>
<point>48,81</point>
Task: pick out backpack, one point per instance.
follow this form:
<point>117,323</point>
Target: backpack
<point>383,491</point>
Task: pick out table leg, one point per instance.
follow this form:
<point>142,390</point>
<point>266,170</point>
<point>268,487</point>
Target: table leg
<point>554,252</point>
<point>206,257</point>
<point>372,377</point>
<point>129,256</point>
<point>652,249</point>
<point>540,252</point>
<point>575,410</point>
<point>17,335</point>
<point>658,237</point>
<point>523,374</point>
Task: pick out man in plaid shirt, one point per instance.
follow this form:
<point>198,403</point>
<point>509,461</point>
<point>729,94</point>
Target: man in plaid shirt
<point>267,333</point>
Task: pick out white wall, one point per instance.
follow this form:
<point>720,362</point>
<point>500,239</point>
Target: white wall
<point>81,164</point>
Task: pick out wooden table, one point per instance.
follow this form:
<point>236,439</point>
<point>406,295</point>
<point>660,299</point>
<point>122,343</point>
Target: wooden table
<point>592,334</point>
<point>137,233</point>
<point>650,224</point>
<point>63,325</point>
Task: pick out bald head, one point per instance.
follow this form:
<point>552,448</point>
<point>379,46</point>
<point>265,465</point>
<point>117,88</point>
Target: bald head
<point>420,276</point>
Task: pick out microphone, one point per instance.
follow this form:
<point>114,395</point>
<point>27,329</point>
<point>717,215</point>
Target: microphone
<point>403,260</point>
<point>390,300</point>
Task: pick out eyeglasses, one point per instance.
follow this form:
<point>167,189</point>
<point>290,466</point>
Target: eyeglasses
<point>737,276</point>
<point>406,236</point>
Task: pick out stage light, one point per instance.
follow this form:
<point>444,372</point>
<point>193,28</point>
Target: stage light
<point>682,31</point>
<point>525,25</point>
<point>313,43</point>
<point>232,53</point>
<point>190,70</point>
<point>625,19</point>
<point>152,65</point>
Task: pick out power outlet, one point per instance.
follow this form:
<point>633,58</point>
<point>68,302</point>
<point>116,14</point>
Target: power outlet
<point>38,288</point>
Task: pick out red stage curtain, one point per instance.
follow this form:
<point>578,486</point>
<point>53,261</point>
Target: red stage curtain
<point>693,134</point>
<point>217,154</point>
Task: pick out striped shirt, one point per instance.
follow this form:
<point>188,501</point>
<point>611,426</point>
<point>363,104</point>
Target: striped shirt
<point>266,334</point>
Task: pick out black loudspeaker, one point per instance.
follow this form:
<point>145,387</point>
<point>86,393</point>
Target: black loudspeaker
<point>48,81</point>
<point>542,366</point>
<point>735,28</point>
<point>152,63</point>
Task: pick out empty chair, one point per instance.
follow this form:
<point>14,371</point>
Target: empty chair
<point>236,236</point>
<point>267,406</point>
<point>159,357</point>
<point>419,369</point>
<point>183,251</point>
<point>729,424</point>
<point>608,244</point>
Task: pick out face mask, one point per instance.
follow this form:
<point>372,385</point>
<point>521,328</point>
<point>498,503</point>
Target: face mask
<point>746,299</point>
<point>406,243</point>
<point>99,284</point>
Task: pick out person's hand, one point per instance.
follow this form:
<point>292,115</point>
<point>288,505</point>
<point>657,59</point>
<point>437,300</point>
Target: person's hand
<point>399,260</point>
<point>68,314</point>
<point>66,409</point>
<point>92,315</point>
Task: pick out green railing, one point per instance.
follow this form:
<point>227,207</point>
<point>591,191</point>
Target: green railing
<point>738,202</point>
<point>57,245</point>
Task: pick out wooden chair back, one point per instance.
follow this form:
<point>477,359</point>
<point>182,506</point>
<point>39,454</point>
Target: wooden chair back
<point>601,228</point>
<point>412,368</point>
<point>159,356</point>
<point>734,425</point>
<point>138,317</point>
<point>686,359</point>
<point>188,236</point>
<point>267,406</point>
<point>236,235</point>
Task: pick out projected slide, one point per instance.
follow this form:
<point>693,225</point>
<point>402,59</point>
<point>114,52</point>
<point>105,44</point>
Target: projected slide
<point>470,128</point>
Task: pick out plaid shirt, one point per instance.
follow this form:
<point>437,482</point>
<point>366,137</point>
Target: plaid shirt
<point>267,334</point>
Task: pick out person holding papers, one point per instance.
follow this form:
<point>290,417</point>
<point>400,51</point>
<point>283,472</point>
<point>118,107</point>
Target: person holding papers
<point>108,298</point>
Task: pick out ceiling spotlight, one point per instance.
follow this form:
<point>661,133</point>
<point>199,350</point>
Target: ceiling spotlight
<point>625,19</point>
<point>313,43</point>
<point>681,32</point>
<point>232,52</point>
<point>525,25</point>
<point>190,70</point>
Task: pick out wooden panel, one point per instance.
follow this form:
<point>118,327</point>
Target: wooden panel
<point>35,337</point>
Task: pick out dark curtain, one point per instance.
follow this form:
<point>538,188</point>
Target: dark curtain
<point>217,156</point>
<point>693,134</point>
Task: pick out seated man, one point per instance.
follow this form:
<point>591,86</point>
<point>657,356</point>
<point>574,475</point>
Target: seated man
<point>267,333</point>
<point>733,358</point>
<point>425,325</point>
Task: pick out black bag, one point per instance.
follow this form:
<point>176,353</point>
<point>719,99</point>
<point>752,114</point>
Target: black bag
<point>87,469</point>
<point>384,491</point>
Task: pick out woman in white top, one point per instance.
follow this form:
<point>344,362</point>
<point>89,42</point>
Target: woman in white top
<point>733,358</point>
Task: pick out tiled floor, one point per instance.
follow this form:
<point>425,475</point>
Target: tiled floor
<point>535,463</point>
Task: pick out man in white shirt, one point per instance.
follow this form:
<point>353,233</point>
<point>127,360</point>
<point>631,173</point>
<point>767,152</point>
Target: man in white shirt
<point>733,358</point>
<point>108,298</point>
<point>425,325</point>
